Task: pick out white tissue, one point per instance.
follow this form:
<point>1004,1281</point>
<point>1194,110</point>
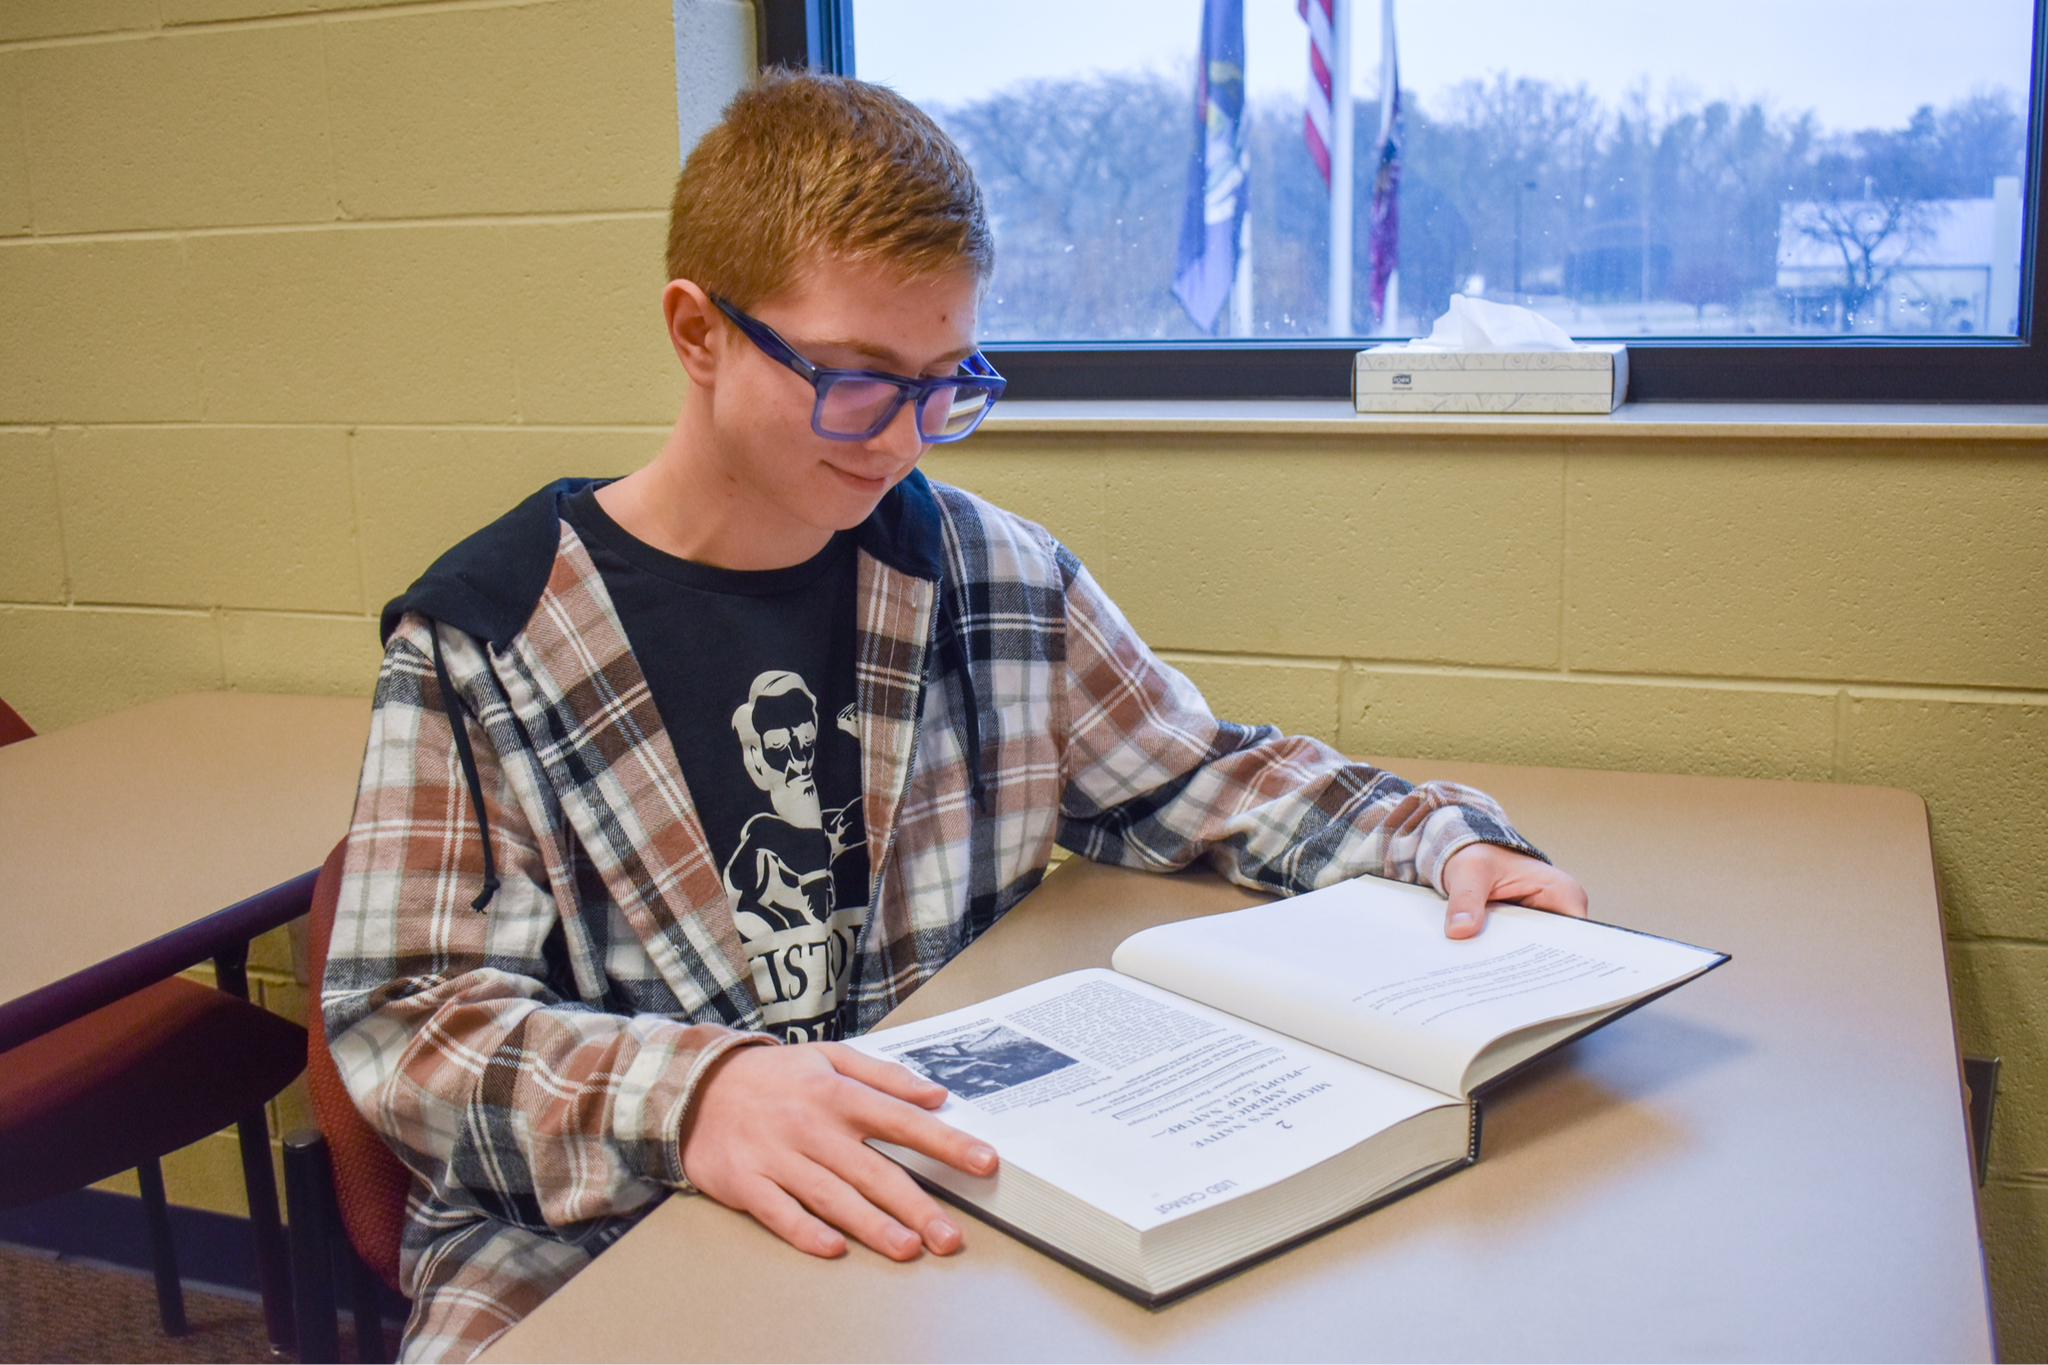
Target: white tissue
<point>1479,325</point>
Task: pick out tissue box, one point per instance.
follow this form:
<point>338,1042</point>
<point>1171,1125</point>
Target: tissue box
<point>1396,379</point>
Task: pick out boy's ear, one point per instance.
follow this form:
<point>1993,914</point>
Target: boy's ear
<point>695,328</point>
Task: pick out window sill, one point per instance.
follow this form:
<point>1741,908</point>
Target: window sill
<point>1691,421</point>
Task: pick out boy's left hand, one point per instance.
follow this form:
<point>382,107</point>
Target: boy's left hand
<point>1478,873</point>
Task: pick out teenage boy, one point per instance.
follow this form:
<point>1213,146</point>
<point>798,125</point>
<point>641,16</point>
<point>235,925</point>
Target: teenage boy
<point>739,749</point>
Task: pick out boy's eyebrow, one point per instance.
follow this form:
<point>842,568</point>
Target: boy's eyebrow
<point>881,355</point>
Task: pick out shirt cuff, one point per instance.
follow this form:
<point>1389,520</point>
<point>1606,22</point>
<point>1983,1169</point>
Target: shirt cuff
<point>1450,828</point>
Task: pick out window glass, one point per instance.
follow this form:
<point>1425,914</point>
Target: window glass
<point>1682,168</point>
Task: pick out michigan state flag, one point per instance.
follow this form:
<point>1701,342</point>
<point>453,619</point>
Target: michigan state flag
<point>1219,184</point>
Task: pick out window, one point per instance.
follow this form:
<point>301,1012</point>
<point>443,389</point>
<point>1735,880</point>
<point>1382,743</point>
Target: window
<point>1781,199</point>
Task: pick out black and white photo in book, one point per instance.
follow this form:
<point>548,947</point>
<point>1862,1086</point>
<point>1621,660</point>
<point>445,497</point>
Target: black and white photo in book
<point>981,1062</point>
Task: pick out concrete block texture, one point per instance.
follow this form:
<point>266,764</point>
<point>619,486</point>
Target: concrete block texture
<point>1589,722</point>
<point>551,107</point>
<point>399,324</point>
<point>31,526</point>
<point>591,345</point>
<point>290,1109</point>
<point>17,213</point>
<point>97,331</point>
<point>215,11</point>
<point>2015,1215</point>
<point>1060,484</point>
<point>1982,767</point>
<point>420,492</point>
<point>1299,696</point>
<point>2001,997</point>
<point>1810,561</point>
<point>274,651</point>
<point>61,665</point>
<point>67,18</point>
<point>449,323</point>
<point>1430,552</point>
<point>204,128</point>
<point>253,517</point>
<point>271,954</point>
<point>206,1175</point>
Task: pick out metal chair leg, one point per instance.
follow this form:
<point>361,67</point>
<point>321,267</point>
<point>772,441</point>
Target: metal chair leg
<point>273,1260</point>
<point>309,1191</point>
<point>365,1295</point>
<point>163,1257</point>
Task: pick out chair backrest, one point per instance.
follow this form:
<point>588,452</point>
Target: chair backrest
<point>12,726</point>
<point>370,1183</point>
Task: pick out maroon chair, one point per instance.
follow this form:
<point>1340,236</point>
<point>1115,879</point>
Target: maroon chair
<point>12,726</point>
<point>346,1189</point>
<point>132,1081</point>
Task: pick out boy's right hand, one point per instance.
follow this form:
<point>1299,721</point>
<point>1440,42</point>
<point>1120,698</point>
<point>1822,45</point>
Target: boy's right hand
<point>779,1132</point>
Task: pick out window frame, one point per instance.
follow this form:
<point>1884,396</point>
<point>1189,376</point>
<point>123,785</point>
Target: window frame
<point>818,35</point>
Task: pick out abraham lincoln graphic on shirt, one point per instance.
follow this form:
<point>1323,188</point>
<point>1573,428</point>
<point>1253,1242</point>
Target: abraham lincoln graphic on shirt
<point>779,880</point>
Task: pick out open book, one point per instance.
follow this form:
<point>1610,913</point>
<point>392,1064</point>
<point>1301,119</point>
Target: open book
<point>1244,1081</point>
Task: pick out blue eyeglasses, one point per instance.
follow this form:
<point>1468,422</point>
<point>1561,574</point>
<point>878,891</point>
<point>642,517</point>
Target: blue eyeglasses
<point>856,405</point>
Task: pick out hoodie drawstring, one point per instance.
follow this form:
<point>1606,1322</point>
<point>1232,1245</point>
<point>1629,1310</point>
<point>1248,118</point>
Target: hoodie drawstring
<point>452,705</point>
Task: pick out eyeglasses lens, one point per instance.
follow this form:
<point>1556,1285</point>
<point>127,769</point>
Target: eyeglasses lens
<point>949,412</point>
<point>858,407</point>
<point>852,407</point>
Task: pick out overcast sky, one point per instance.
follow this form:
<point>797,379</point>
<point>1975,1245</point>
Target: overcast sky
<point>1857,63</point>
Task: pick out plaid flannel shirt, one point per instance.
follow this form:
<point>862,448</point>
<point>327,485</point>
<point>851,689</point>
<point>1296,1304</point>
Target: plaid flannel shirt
<point>532,1063</point>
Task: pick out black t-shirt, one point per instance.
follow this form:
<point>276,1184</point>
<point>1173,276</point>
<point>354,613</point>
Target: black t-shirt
<point>753,674</point>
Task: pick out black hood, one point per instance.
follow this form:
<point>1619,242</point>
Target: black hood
<point>488,585</point>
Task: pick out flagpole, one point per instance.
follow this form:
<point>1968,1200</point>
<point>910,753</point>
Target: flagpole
<point>1341,132</point>
<point>1387,297</point>
<point>1241,287</point>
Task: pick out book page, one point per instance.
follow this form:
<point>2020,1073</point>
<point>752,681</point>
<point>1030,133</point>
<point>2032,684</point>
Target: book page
<point>1144,1104</point>
<point>1363,969</point>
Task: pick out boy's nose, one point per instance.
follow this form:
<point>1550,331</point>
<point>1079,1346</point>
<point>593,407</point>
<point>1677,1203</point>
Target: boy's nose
<point>901,437</point>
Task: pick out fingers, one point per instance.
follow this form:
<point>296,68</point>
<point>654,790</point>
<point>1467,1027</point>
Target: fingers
<point>1465,914</point>
<point>1480,873</point>
<point>849,1186</point>
<point>878,1115</point>
<point>780,1134</point>
<point>891,1078</point>
<point>776,1210</point>
<point>1560,894</point>
<point>910,1217</point>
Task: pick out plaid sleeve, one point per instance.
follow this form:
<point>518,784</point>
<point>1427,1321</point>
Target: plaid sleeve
<point>1153,780</point>
<point>464,1035</point>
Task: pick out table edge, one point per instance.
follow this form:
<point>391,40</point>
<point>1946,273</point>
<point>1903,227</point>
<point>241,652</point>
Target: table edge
<point>60,1002</point>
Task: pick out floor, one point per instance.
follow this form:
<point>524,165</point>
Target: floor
<point>58,1309</point>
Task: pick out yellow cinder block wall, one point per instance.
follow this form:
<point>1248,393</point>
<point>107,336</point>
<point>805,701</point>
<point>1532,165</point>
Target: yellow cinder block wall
<point>297,291</point>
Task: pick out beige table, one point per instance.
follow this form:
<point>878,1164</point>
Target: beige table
<point>1770,1164</point>
<point>129,843</point>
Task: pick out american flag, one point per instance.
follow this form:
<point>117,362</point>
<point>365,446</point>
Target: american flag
<point>1219,183</point>
<point>1385,231</point>
<point>1320,16</point>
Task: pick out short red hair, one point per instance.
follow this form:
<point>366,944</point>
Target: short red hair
<point>802,167</point>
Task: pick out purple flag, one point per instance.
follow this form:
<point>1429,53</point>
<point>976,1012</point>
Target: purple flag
<point>1219,185</point>
<point>1385,229</point>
